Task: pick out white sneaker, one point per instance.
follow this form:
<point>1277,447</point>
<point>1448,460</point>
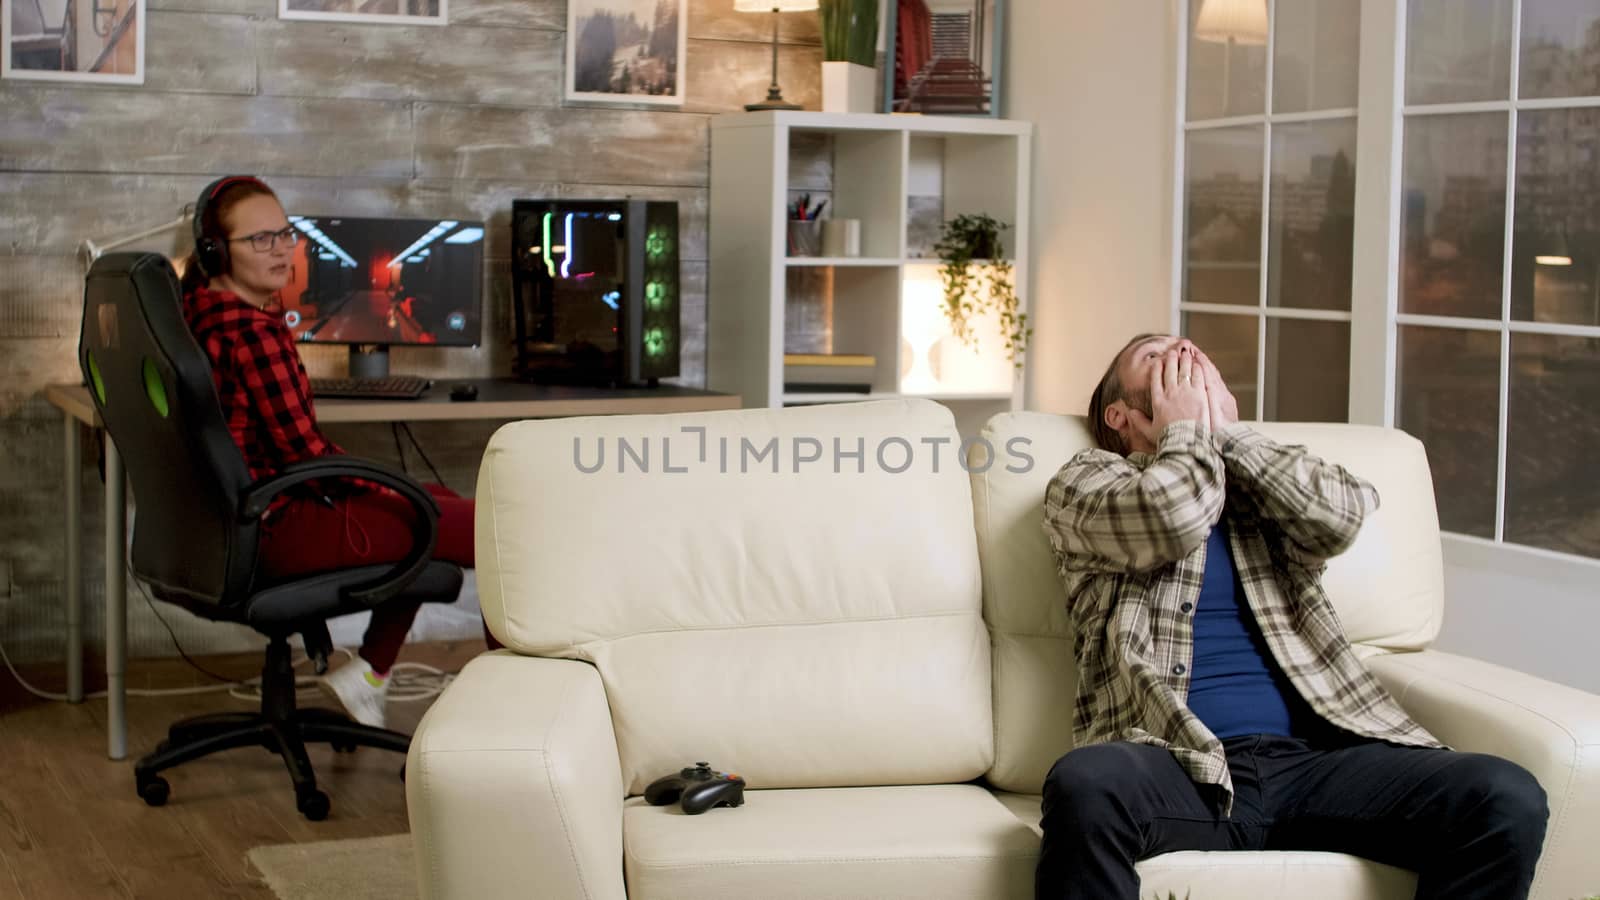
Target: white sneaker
<point>353,687</point>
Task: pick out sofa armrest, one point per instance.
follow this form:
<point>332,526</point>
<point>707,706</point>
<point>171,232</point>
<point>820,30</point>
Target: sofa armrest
<point>513,784</point>
<point>1549,729</point>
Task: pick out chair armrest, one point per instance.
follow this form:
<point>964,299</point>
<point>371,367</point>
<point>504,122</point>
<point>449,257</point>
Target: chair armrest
<point>1549,729</point>
<point>424,528</point>
<point>513,784</point>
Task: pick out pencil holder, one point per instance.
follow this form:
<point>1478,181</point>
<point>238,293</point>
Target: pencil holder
<point>805,237</point>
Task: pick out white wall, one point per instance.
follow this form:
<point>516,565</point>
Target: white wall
<point>1097,80</point>
<point>1537,614</point>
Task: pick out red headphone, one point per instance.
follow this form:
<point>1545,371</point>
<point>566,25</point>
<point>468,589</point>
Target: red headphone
<point>210,251</point>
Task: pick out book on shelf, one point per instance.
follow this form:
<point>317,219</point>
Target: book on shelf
<point>829,359</point>
<point>828,372</point>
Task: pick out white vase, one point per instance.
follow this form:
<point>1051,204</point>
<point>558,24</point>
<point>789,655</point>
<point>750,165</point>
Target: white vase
<point>848,87</point>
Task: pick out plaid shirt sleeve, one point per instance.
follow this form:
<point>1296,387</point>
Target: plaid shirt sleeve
<point>275,380</point>
<point>1316,506</point>
<point>1103,513</point>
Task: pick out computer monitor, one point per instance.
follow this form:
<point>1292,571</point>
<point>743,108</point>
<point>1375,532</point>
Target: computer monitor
<point>373,283</point>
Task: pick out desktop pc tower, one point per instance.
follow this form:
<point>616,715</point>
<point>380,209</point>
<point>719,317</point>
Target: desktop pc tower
<point>595,289</point>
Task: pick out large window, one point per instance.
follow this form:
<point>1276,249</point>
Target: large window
<point>1498,326</point>
<point>1268,200</point>
<point>1489,319</point>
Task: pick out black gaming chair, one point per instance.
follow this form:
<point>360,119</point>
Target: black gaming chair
<point>199,516</point>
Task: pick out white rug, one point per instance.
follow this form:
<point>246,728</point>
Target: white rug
<point>379,868</point>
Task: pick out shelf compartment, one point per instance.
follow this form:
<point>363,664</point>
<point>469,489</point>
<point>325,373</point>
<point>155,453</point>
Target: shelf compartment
<point>850,309</point>
<point>951,175</point>
<point>861,174</point>
<point>933,362</point>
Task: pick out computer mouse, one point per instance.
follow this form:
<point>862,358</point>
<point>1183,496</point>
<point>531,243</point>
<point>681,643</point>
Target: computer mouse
<point>464,392</point>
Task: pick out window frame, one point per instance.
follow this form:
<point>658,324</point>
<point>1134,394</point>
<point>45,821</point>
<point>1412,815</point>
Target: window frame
<point>1374,317</point>
<point>1266,120</point>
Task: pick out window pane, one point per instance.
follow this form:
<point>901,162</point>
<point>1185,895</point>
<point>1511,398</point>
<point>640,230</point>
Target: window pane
<point>1308,371</point>
<point>1452,216</point>
<point>1312,215</point>
<point>1553,428</point>
<point>1222,224</point>
<point>1231,343</point>
<point>1227,60</point>
<point>1560,49</point>
<point>1314,54</point>
<point>1555,249</point>
<point>1458,50</point>
<point>1447,394</point>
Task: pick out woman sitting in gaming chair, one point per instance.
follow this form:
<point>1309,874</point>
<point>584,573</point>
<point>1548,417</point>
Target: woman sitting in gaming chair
<point>244,250</point>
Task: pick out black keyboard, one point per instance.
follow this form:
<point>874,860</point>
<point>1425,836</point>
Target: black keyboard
<point>392,387</point>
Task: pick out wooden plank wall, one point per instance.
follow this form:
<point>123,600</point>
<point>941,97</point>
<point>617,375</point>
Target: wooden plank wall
<point>339,118</point>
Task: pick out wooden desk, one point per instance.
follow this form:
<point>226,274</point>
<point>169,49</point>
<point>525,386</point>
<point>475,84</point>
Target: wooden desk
<point>497,399</point>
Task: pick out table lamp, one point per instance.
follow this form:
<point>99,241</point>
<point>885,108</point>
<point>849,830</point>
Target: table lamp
<point>774,95</point>
<point>91,250</point>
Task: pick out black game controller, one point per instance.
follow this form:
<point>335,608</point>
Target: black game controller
<point>696,789</point>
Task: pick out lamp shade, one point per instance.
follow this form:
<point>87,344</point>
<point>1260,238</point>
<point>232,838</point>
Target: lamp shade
<point>770,5</point>
<point>1558,255</point>
<point>1243,21</point>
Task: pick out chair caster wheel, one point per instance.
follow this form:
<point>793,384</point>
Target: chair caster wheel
<point>313,804</point>
<point>153,790</point>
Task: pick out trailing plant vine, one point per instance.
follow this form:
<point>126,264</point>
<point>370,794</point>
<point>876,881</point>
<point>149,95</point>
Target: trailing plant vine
<point>978,278</point>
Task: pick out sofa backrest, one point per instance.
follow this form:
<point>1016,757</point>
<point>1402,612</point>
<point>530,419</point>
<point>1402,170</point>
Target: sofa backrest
<point>819,627</point>
<point>1388,589</point>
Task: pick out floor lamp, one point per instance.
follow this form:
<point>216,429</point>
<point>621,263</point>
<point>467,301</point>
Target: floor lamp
<point>774,95</point>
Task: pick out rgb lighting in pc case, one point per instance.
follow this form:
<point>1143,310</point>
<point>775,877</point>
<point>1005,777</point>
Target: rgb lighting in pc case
<point>595,285</point>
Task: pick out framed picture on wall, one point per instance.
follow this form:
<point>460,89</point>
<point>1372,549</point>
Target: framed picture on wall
<point>393,12</point>
<point>626,51</point>
<point>943,57</point>
<point>96,41</point>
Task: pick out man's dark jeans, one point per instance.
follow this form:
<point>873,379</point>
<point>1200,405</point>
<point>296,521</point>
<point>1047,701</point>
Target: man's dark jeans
<point>1470,825</point>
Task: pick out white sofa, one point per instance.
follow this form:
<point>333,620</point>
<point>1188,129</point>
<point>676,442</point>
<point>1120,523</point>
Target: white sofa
<point>883,655</point>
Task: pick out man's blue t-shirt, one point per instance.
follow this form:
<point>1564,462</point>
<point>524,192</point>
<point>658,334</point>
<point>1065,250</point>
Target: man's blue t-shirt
<point>1235,684</point>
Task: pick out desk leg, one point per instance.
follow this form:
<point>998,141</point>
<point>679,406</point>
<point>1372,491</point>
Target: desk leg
<point>116,604</point>
<point>72,579</point>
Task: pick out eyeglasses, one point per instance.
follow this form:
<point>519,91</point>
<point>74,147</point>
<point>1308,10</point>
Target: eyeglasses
<point>265,241</point>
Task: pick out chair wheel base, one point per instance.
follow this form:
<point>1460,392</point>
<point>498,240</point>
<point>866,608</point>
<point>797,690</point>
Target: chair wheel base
<point>153,790</point>
<point>313,804</point>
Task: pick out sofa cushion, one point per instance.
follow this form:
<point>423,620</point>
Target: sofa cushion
<point>908,842</point>
<point>1387,589</point>
<point>1278,873</point>
<point>815,625</point>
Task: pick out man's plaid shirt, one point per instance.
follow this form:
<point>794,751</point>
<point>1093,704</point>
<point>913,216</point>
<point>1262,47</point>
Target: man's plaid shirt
<point>1129,536</point>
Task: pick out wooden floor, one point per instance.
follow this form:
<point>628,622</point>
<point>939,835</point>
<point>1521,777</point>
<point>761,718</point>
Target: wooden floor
<point>71,825</point>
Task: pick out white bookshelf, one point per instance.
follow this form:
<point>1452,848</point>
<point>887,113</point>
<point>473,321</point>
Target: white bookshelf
<point>764,302</point>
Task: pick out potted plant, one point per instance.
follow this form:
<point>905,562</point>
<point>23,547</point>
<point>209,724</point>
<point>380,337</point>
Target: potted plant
<point>850,54</point>
<point>978,278</point>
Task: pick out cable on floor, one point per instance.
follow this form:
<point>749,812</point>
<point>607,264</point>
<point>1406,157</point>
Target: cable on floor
<point>409,682</point>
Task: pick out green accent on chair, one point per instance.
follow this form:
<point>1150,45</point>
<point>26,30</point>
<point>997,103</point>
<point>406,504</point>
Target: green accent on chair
<point>94,376</point>
<point>155,389</point>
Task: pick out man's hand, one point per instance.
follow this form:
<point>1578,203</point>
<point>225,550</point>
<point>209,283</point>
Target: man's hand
<point>1177,394</point>
<point>1224,408</point>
